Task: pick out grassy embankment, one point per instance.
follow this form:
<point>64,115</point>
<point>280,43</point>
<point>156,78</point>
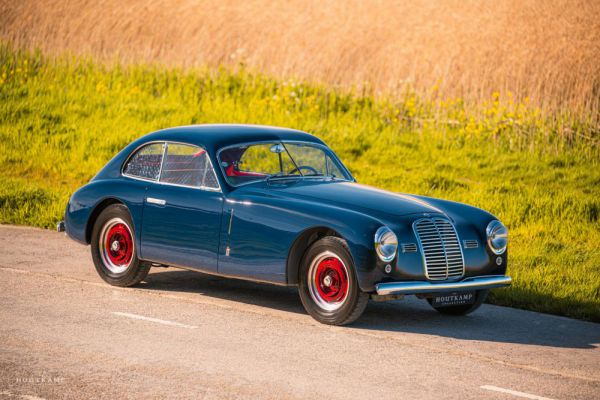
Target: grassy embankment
<point>61,120</point>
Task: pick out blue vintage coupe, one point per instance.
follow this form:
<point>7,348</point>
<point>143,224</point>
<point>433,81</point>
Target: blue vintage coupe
<point>277,205</point>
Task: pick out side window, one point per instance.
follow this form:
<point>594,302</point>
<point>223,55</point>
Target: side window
<point>188,165</point>
<point>332,169</point>
<point>319,161</point>
<point>145,163</point>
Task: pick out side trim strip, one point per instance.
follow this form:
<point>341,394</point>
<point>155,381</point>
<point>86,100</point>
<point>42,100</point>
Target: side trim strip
<point>152,200</point>
<point>230,222</point>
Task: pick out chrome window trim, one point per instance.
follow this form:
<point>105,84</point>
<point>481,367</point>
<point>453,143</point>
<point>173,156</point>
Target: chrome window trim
<point>327,150</point>
<point>162,160</point>
<point>165,144</point>
<point>134,152</point>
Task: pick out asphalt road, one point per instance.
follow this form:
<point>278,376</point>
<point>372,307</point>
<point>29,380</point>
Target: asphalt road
<point>64,333</point>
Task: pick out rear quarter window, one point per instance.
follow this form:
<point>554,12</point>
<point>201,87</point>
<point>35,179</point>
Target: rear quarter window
<point>145,162</point>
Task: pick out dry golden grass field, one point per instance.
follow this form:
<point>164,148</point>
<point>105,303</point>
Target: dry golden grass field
<point>546,51</point>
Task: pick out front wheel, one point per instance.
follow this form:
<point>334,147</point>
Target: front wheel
<point>464,309</point>
<point>328,287</point>
<point>113,248</point>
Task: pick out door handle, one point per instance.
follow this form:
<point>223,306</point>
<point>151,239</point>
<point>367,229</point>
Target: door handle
<point>152,200</point>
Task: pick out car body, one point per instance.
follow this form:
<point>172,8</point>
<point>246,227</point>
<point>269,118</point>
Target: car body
<point>188,199</point>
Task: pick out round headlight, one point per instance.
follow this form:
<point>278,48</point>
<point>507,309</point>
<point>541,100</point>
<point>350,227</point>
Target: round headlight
<point>386,244</point>
<point>497,237</point>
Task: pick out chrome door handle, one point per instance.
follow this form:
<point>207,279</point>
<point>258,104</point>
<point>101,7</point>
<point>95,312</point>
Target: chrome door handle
<point>152,200</point>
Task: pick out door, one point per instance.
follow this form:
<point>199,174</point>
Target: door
<point>255,235</point>
<point>182,211</point>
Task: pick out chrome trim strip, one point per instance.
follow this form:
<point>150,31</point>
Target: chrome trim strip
<point>230,222</point>
<point>152,200</point>
<point>470,244</point>
<point>162,160</point>
<point>408,247</point>
<point>474,283</point>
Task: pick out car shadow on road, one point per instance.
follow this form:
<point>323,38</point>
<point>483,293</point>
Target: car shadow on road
<point>489,323</point>
<point>254,293</point>
<point>410,315</point>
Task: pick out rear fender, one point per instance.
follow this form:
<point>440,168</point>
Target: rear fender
<point>86,204</point>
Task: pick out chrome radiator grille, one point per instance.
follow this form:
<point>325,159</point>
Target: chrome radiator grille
<point>440,247</point>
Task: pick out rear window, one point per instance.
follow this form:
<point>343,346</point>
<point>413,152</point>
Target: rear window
<point>145,163</point>
<point>188,165</point>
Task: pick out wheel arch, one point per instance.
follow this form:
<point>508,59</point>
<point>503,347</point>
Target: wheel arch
<point>101,206</point>
<point>302,242</point>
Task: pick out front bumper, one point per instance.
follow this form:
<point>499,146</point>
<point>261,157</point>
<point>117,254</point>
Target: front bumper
<point>474,283</point>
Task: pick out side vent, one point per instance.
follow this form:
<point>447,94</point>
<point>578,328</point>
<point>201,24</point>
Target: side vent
<point>470,244</point>
<point>409,247</point>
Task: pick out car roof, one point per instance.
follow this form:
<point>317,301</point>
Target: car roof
<point>211,137</point>
<point>216,136</point>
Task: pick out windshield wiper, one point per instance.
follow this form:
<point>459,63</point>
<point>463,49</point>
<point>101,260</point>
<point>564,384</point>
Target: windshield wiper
<point>280,175</point>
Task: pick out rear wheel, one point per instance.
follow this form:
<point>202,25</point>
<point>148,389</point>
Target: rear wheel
<point>464,309</point>
<point>328,287</point>
<point>113,248</point>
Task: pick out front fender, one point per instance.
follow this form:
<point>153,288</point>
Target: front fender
<point>274,224</point>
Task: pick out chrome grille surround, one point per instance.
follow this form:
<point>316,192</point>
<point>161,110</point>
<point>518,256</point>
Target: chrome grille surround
<point>440,248</point>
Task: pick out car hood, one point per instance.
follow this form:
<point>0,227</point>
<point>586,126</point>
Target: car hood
<point>350,195</point>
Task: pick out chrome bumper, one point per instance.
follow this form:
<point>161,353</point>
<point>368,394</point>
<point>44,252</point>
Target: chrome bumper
<point>474,283</point>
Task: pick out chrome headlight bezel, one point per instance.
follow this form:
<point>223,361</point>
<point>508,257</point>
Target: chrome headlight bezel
<point>497,237</point>
<point>386,244</point>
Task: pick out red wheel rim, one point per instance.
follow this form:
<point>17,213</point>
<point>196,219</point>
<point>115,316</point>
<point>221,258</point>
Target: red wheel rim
<point>331,280</point>
<point>119,245</point>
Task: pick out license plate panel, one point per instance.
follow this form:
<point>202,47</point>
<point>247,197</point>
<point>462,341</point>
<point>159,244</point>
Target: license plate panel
<point>453,299</point>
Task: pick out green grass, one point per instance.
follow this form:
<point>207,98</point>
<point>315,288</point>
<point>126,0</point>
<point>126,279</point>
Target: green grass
<point>61,120</point>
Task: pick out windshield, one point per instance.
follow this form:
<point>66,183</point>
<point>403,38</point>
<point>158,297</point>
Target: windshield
<point>261,161</point>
